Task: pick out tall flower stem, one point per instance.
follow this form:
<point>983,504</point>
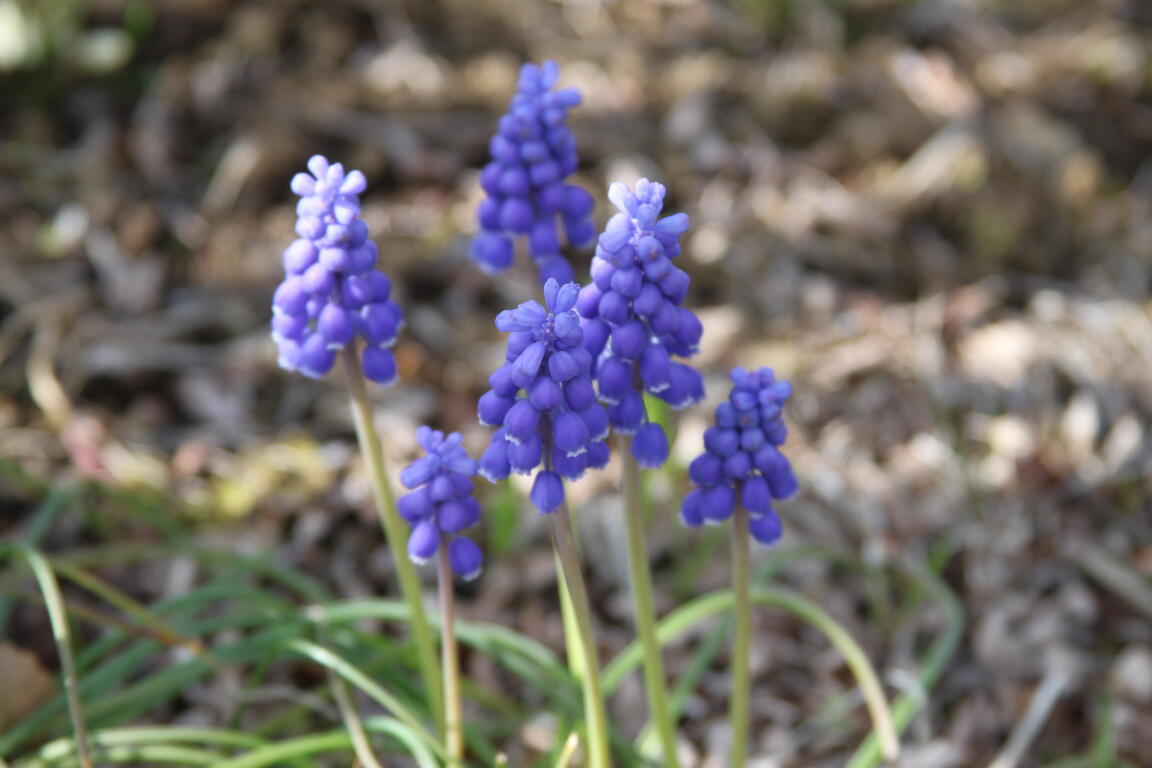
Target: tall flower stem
<point>741,641</point>
<point>643,610</point>
<point>394,532</point>
<point>565,547</point>
<point>450,658</point>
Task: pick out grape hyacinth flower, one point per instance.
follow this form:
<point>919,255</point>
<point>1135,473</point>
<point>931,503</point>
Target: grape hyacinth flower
<point>533,152</point>
<point>439,502</point>
<point>332,293</point>
<point>542,399</point>
<point>742,462</point>
<point>633,322</point>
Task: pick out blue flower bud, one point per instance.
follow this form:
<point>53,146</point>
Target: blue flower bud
<point>666,318</point>
<point>648,302</point>
<point>423,542</point>
<point>615,379</point>
<point>751,439</point>
<point>455,516</point>
<point>378,365</point>
<point>547,491</point>
<point>441,487</point>
<point>570,433</point>
<point>722,442</point>
<point>520,421</point>
<point>613,308</point>
<point>766,529</point>
<point>290,297</point>
<point>706,469</point>
<point>315,358</point>
<point>493,252</point>
<point>627,415</point>
<point>650,446</point>
<point>627,282</point>
<point>595,417</point>
<point>595,336</point>
<point>494,462</point>
<point>523,457</point>
<point>289,327</point>
<point>737,465</point>
<point>528,362</point>
<point>569,467</point>
<point>562,366</point>
<point>501,382</point>
<point>755,495</point>
<point>544,394</point>
<point>691,512</point>
<point>336,325</point>
<point>579,393</point>
<point>726,416</point>
<point>588,304</point>
<point>465,558</point>
<point>415,505</point>
<point>492,408</point>
<point>655,368</point>
<point>300,255</point>
<point>418,473</point>
<point>629,340</point>
<point>717,503</point>
<point>317,280</point>
<point>379,322</point>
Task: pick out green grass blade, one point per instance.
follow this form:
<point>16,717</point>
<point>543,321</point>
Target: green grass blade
<point>31,534</point>
<point>691,614</point>
<point>341,667</point>
<point>939,654</point>
<point>531,660</point>
<point>134,755</point>
<point>54,603</point>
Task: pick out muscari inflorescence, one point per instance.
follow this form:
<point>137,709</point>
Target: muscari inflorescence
<point>543,399</point>
<point>741,462</point>
<point>332,293</point>
<point>533,152</point>
<point>633,321</point>
<point>439,503</point>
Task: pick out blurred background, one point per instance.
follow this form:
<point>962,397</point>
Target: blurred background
<point>934,217</point>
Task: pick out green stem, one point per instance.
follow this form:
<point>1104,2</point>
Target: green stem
<point>565,546</point>
<point>450,658</point>
<point>643,610</point>
<point>373,452</point>
<point>741,639</point>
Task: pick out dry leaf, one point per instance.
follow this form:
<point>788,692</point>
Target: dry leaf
<point>27,684</point>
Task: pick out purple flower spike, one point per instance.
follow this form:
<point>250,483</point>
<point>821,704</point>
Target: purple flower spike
<point>533,152</point>
<point>633,321</point>
<point>741,463</point>
<point>544,399</point>
<point>440,502</point>
<point>332,293</point>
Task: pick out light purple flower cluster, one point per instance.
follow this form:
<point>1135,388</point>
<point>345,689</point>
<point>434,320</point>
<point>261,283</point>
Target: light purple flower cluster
<point>543,399</point>
<point>440,502</point>
<point>634,323</point>
<point>741,456</point>
<point>332,291</point>
<point>533,152</point>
